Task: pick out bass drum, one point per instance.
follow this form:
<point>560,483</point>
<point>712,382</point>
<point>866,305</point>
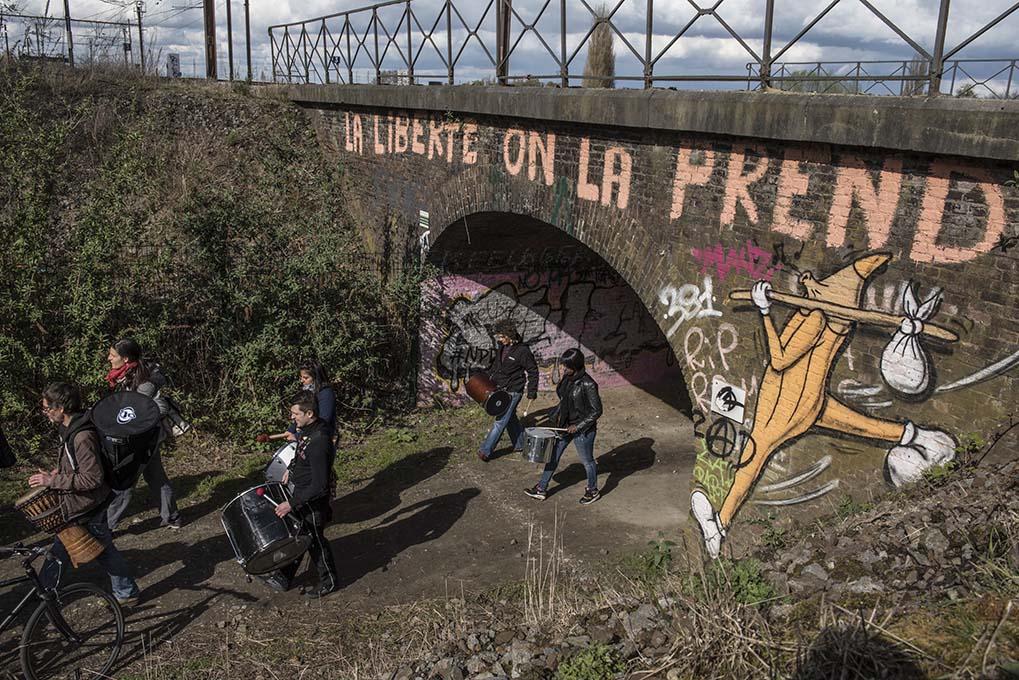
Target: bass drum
<point>277,467</point>
<point>262,541</point>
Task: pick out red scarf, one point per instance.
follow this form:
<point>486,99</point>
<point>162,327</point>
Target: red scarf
<point>118,374</point>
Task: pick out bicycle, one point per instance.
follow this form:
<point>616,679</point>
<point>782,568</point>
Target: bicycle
<point>76,632</point>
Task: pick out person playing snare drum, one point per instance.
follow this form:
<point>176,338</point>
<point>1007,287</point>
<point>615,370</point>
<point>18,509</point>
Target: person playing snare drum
<point>578,412</point>
<point>84,494</point>
<point>512,369</point>
<point>310,474</point>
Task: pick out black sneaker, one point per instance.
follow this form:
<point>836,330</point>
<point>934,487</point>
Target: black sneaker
<point>173,524</point>
<point>535,492</point>
<point>275,581</point>
<point>323,590</point>
<point>590,496</point>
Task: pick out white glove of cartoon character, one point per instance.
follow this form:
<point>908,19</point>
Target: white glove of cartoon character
<point>759,294</point>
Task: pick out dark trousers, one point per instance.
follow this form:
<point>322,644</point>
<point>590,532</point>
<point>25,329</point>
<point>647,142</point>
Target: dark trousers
<point>321,554</point>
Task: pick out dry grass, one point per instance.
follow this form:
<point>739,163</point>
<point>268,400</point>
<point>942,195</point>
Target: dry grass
<point>712,630</point>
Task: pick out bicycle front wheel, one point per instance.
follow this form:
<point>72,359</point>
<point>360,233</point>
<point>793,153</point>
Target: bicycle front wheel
<point>78,636</point>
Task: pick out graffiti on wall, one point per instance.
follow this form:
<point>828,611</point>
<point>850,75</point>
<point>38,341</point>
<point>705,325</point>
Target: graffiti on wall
<point>872,192</point>
<point>553,311</point>
<point>794,396</point>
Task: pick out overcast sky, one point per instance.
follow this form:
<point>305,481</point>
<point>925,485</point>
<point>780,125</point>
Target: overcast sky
<point>848,33</point>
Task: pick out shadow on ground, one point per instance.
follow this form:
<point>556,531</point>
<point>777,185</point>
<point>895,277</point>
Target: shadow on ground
<point>853,652</point>
<point>375,548</point>
<point>382,494</point>
<point>613,467</point>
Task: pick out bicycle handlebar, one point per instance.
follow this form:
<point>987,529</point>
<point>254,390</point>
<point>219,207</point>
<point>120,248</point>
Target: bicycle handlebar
<point>22,551</point>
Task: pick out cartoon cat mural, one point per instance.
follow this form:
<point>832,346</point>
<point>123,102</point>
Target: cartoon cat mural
<point>794,398</point>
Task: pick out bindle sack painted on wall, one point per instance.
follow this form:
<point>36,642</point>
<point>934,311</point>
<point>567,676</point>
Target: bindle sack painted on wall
<point>887,266</point>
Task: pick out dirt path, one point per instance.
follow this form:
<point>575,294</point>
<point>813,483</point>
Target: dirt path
<point>434,522</point>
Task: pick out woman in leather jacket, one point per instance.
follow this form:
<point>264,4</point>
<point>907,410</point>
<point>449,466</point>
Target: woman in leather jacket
<point>578,411</point>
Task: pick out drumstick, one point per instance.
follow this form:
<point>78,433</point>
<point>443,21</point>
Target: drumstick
<point>279,436</point>
<point>848,313</point>
<point>263,495</point>
<point>530,402</point>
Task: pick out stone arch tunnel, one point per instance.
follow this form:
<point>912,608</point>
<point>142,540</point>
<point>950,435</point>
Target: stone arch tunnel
<point>693,197</point>
<point>557,291</point>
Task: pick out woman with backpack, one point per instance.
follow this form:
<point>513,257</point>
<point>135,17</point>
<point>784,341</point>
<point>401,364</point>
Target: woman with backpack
<point>130,371</point>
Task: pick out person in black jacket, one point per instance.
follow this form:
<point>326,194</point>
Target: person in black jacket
<point>310,473</point>
<point>512,370</point>
<point>578,411</point>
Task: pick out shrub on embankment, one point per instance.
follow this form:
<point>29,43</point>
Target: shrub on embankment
<point>203,221</point>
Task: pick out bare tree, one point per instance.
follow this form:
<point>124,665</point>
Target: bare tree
<point>917,67</point>
<point>600,68</point>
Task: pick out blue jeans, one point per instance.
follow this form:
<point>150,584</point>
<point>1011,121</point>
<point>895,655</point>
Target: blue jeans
<point>585,449</point>
<point>121,580</point>
<point>507,420</point>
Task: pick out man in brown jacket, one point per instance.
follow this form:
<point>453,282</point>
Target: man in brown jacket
<point>84,494</point>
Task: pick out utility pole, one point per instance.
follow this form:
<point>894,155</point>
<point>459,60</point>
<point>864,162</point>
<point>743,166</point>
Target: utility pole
<point>141,39</point>
<point>70,38</point>
<point>247,36</point>
<point>230,38</point>
<point>210,39</point>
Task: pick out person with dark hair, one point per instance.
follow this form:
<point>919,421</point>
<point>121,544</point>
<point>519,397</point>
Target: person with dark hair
<point>314,379</point>
<point>513,368</point>
<point>84,494</point>
<point>310,473</point>
<point>578,411</point>
<point>130,371</point>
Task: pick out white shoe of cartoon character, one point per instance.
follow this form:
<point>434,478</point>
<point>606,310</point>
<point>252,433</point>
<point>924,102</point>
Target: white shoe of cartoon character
<point>707,518</point>
<point>918,450</point>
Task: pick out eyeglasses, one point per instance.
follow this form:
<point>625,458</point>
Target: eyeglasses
<point>48,409</point>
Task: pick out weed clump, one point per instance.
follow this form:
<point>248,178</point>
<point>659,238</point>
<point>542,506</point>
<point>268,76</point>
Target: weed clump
<point>599,662</point>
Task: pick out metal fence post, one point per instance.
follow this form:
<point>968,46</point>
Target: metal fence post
<point>769,21</point>
<point>564,71</point>
<point>375,30</point>
<point>326,57</point>
<point>350,64</point>
<point>449,39</point>
<point>648,80</point>
<point>410,48</point>
<point>937,59</point>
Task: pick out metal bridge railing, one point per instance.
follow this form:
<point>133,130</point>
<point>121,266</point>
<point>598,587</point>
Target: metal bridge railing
<point>477,40</point>
<point>81,42</point>
<point>989,78</point>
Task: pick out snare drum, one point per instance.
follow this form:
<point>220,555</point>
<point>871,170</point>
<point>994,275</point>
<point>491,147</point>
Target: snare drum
<point>482,390</point>
<point>538,444</point>
<point>277,467</point>
<point>262,541</point>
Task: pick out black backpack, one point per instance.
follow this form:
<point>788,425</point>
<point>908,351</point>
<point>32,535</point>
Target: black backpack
<point>129,428</point>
